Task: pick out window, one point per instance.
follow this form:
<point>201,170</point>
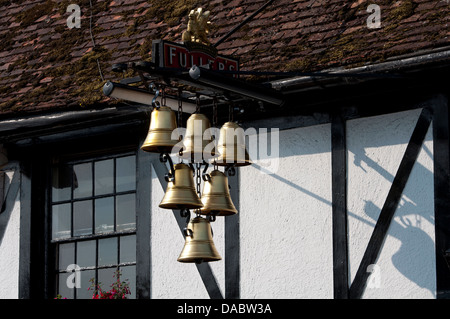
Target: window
<point>93,223</point>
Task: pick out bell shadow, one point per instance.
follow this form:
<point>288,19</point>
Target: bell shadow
<point>414,241</point>
<point>409,259</point>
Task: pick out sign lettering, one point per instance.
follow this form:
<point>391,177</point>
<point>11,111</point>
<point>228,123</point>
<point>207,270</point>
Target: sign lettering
<point>174,55</point>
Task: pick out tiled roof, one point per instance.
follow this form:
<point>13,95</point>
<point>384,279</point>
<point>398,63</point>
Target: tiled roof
<point>45,65</point>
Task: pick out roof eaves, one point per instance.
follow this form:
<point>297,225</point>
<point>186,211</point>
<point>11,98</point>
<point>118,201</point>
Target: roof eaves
<point>399,64</point>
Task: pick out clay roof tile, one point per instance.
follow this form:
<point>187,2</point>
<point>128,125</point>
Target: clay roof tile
<point>40,55</point>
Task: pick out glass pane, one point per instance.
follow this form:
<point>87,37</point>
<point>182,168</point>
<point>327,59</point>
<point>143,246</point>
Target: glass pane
<point>104,177</point>
<point>128,248</point>
<point>82,183</point>
<point>86,253</point>
<point>106,278</point>
<point>126,212</point>
<point>61,221</point>
<point>107,251</point>
<point>62,182</point>
<point>129,275</point>
<point>66,255</point>
<point>104,215</point>
<point>82,218</point>
<point>126,173</point>
<point>85,291</point>
<point>65,290</point>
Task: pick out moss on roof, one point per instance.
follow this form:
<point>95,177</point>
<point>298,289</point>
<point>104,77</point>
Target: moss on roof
<point>45,65</point>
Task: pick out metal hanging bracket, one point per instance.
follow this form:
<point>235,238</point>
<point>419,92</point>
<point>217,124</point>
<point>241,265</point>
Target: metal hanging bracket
<point>170,175</point>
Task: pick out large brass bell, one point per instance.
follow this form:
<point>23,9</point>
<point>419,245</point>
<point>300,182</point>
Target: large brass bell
<point>231,146</point>
<point>181,192</point>
<point>162,124</point>
<point>199,246</point>
<point>198,138</point>
<point>216,197</point>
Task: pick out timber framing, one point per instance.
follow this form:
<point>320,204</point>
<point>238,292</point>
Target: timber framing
<point>124,126</point>
<point>435,112</point>
<point>339,207</point>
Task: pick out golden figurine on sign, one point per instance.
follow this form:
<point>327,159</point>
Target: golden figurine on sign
<point>198,27</point>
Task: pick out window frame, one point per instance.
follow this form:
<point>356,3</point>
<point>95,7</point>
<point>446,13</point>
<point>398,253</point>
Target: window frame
<point>94,236</point>
<point>36,257</point>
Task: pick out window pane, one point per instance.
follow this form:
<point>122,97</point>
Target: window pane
<point>61,221</point>
<point>82,183</point>
<point>66,255</point>
<point>104,177</point>
<point>107,251</point>
<point>82,218</point>
<point>86,253</point>
<point>127,249</point>
<point>63,289</point>
<point>129,275</point>
<point>106,278</point>
<point>126,173</point>
<point>126,212</point>
<point>84,292</point>
<point>62,182</point>
<point>104,215</point>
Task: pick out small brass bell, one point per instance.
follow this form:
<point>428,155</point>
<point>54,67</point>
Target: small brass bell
<point>162,124</point>
<point>181,192</point>
<point>197,142</point>
<point>199,246</point>
<point>231,146</point>
<point>216,197</point>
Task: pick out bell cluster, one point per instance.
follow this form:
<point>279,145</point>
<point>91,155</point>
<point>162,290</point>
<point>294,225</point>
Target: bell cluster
<point>184,178</point>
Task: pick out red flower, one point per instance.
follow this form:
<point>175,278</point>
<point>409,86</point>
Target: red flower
<point>119,289</point>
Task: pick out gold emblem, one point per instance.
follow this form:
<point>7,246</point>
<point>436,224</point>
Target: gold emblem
<point>198,27</point>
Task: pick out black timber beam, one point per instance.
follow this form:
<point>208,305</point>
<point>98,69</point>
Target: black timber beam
<point>339,207</point>
<point>441,153</point>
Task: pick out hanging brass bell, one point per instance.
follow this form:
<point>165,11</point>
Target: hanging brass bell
<point>159,138</point>
<point>181,192</point>
<point>199,246</point>
<point>216,197</point>
<point>198,138</point>
<point>231,146</point>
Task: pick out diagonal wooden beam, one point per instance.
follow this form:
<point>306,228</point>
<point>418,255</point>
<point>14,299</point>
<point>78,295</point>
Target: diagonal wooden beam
<point>204,269</point>
<point>387,212</point>
<point>8,203</point>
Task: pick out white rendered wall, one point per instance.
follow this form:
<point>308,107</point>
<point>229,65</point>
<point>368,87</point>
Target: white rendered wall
<point>9,252</point>
<point>406,265</point>
<point>285,220</point>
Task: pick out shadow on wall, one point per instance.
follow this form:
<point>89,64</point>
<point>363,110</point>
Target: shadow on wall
<point>406,225</point>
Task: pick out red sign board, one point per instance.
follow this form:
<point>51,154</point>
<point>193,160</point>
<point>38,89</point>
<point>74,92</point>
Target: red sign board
<point>175,55</point>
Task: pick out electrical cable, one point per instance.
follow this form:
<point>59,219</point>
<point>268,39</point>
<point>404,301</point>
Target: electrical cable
<point>93,43</point>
